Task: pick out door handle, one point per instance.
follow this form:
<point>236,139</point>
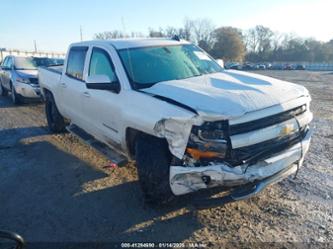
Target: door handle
<point>63,85</point>
<point>86,94</point>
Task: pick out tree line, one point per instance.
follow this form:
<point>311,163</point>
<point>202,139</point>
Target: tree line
<point>258,44</point>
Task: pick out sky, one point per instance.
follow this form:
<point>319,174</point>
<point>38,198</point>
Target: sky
<point>54,24</point>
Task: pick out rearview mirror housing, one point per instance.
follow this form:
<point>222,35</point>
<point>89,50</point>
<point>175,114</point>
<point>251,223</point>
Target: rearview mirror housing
<point>102,82</point>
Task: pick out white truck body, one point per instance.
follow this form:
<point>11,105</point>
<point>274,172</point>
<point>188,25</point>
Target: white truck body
<point>275,110</point>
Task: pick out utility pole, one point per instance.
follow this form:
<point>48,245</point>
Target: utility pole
<point>1,54</point>
<point>81,33</point>
<point>35,46</point>
<point>123,25</point>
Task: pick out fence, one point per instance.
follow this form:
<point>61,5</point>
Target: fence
<point>5,52</point>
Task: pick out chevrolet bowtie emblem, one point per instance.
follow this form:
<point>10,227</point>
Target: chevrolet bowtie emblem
<point>287,129</point>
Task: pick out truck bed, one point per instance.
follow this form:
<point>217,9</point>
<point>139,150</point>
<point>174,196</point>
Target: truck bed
<point>49,77</point>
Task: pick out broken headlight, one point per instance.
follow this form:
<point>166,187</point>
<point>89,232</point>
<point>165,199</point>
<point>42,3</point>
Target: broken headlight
<point>208,141</point>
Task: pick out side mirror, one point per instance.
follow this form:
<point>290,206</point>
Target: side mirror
<point>220,62</point>
<point>102,82</point>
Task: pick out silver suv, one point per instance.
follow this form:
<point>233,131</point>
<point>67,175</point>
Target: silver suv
<point>18,75</point>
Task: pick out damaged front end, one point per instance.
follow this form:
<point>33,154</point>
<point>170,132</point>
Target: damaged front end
<point>219,153</point>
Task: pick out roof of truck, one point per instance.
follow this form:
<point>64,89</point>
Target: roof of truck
<point>133,42</point>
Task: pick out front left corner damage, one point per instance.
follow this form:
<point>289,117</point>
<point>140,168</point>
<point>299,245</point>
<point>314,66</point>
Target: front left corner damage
<point>176,132</point>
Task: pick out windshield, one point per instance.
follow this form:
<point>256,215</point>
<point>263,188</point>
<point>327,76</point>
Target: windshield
<point>24,63</point>
<point>150,65</point>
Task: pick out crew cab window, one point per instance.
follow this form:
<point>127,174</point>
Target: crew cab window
<point>100,63</point>
<point>10,62</point>
<point>75,64</point>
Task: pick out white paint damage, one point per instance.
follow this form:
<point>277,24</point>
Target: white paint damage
<point>229,94</point>
<point>189,179</point>
<point>237,97</point>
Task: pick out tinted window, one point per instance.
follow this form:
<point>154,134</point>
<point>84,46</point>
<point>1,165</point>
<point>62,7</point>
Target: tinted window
<point>100,63</point>
<point>75,64</point>
<point>10,62</point>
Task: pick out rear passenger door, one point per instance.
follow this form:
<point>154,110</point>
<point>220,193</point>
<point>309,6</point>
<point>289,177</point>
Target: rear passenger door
<point>72,85</point>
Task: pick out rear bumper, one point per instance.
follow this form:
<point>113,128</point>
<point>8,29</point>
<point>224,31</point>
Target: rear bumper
<point>184,180</point>
<point>27,91</point>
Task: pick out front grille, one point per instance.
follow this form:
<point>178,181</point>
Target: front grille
<point>266,121</point>
<point>33,80</point>
<point>254,153</point>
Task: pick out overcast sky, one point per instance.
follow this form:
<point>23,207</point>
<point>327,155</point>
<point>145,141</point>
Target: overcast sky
<point>55,24</point>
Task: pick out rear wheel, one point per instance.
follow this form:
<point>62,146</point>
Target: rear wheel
<point>16,99</point>
<point>3,91</point>
<point>153,161</point>
<point>56,122</point>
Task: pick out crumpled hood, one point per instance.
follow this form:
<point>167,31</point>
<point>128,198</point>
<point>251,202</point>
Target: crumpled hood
<point>229,93</point>
<point>27,73</point>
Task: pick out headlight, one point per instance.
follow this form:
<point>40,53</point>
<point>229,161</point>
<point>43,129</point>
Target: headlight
<point>23,80</point>
<point>211,131</point>
<point>208,141</point>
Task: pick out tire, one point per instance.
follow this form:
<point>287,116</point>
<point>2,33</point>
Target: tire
<point>55,121</point>
<point>153,161</point>
<point>16,99</point>
<point>3,91</point>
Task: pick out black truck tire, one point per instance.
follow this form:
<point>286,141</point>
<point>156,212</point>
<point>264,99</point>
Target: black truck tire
<point>153,160</point>
<point>55,121</point>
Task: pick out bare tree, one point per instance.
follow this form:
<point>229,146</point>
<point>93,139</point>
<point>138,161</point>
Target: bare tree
<point>156,33</point>
<point>199,31</point>
<point>106,35</point>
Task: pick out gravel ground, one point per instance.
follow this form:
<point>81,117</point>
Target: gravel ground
<point>54,188</point>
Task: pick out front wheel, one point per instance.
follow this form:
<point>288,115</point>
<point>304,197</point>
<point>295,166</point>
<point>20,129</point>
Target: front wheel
<point>3,91</point>
<point>14,96</point>
<point>55,121</point>
<point>153,160</point>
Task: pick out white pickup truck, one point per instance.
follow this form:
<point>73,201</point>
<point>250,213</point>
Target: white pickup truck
<point>189,123</point>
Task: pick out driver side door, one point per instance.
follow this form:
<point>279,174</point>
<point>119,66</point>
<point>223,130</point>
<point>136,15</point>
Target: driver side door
<point>102,108</point>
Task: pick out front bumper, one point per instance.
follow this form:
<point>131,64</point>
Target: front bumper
<point>184,180</point>
<point>27,90</point>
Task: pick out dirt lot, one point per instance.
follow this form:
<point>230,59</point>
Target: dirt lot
<point>54,188</point>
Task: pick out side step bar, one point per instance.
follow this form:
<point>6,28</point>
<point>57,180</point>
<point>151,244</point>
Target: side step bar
<point>100,147</point>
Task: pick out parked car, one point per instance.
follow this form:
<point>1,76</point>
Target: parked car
<point>188,123</point>
<point>288,66</point>
<point>268,65</point>
<point>300,67</point>
<point>248,66</point>
<point>18,75</point>
<point>261,66</point>
<point>233,65</point>
<point>277,66</point>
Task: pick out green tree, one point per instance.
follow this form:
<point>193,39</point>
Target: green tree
<point>229,44</point>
